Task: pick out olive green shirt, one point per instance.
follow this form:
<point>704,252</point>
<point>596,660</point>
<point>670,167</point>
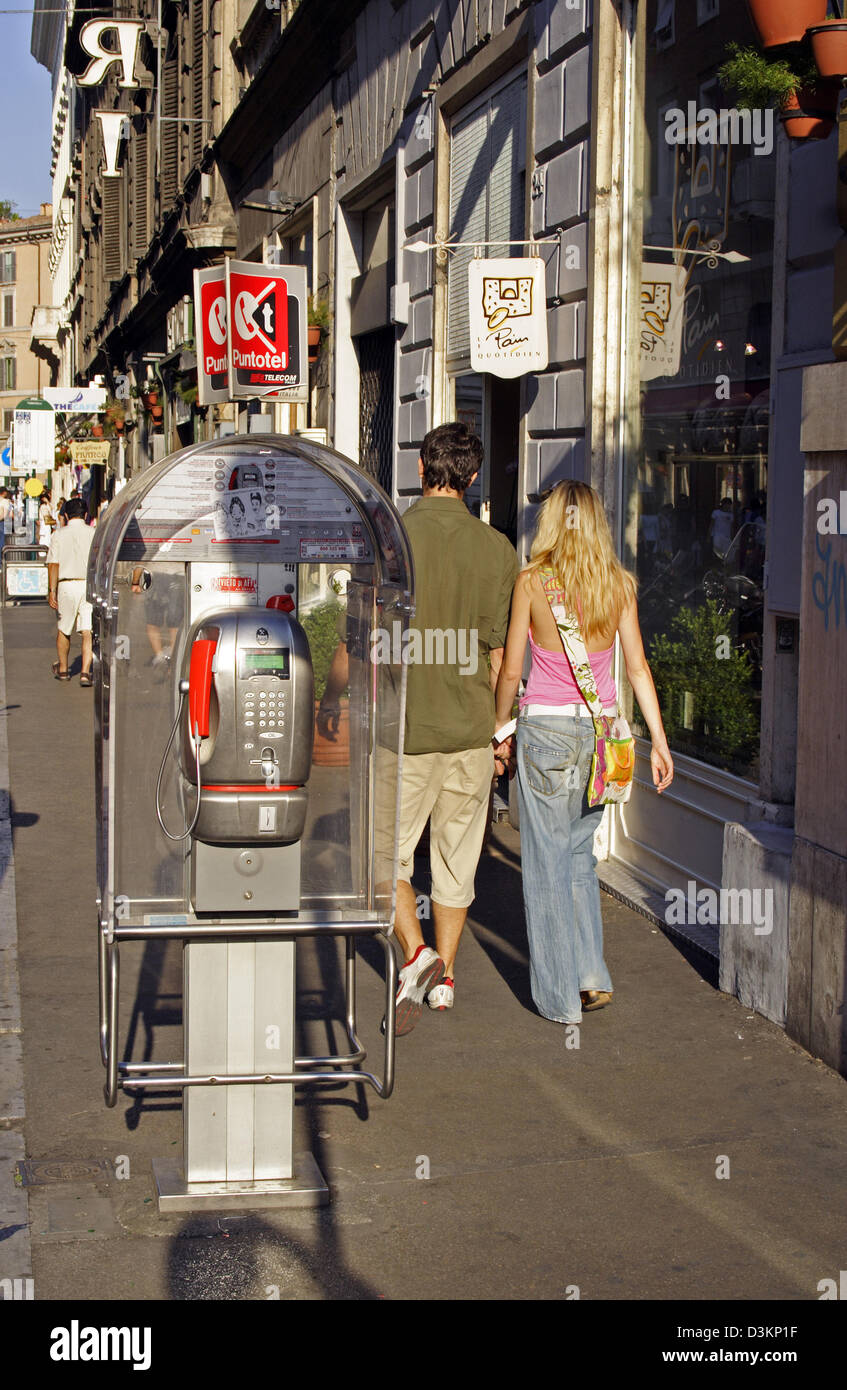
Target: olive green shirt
<point>464,576</point>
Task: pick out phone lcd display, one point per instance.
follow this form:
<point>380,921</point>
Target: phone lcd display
<point>266,663</point>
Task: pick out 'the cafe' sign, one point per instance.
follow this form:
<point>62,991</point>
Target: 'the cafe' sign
<point>251,332</point>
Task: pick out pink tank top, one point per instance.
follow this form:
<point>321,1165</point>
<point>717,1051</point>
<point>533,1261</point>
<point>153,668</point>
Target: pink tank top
<point>551,680</point>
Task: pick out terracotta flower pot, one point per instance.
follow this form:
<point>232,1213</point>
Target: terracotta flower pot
<point>149,399</point>
<point>809,113</point>
<point>314,334</point>
<point>778,22</point>
<point>333,751</point>
<point>157,412</point>
<point>829,46</point>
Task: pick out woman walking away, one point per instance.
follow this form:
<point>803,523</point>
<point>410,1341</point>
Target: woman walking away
<point>573,564</point>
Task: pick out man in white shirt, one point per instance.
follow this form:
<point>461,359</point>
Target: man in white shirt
<point>67,563</point>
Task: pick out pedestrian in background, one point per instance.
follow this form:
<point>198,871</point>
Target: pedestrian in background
<point>46,519</point>
<point>7,516</point>
<point>67,564</point>
<point>573,563</point>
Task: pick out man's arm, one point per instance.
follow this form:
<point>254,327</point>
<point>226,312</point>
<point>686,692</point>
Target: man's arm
<point>53,585</point>
<point>495,658</point>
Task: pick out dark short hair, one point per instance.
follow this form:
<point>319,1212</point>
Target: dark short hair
<point>451,455</point>
<point>75,507</point>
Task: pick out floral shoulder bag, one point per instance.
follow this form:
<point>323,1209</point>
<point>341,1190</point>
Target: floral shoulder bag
<point>613,763</point>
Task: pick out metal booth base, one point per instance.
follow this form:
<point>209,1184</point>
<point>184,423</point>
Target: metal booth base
<point>306,1189</point>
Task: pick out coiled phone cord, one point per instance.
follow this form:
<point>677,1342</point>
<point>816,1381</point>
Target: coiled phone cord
<point>190,830</point>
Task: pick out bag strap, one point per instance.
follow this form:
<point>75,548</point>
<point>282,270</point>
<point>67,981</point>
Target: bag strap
<point>571,638</point>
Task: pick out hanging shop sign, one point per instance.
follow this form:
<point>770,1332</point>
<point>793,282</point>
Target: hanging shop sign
<point>127,32</point>
<point>33,436</point>
<point>661,318</point>
<point>212,335</point>
<point>508,316</point>
<point>82,400</point>
<point>266,316</point>
<point>90,452</point>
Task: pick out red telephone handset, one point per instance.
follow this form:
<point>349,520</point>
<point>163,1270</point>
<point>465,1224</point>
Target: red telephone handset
<point>200,686</point>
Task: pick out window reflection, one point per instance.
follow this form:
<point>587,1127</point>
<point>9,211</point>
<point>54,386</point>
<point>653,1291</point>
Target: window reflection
<point>698,472</point>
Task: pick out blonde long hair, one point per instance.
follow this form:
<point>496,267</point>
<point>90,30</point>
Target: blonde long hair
<point>573,539</point>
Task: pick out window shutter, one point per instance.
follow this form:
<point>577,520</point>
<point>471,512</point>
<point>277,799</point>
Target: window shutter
<point>169,174</point>
<point>113,258</point>
<point>7,268</point>
<point>487,153</point>
<point>198,130</point>
<point>140,191</point>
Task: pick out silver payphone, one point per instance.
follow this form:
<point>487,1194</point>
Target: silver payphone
<point>246,706</point>
<point>252,842</point>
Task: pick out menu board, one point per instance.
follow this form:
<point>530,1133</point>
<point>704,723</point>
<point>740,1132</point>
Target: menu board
<point>253,507</point>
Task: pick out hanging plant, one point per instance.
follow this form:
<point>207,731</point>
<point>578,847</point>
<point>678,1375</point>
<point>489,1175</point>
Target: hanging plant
<point>187,389</point>
<point>780,22</point>
<point>829,47</point>
<point>806,103</point>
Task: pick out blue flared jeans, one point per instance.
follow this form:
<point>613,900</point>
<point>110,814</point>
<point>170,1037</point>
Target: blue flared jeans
<point>560,889</point>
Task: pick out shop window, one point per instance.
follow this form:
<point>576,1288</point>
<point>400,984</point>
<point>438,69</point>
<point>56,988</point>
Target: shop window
<point>697,475</point>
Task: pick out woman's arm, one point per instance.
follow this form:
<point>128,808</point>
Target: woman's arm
<point>511,667</point>
<point>641,680</point>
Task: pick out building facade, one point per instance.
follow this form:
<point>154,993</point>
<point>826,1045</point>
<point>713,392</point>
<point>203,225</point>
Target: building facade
<point>383,145</point>
<point>24,281</point>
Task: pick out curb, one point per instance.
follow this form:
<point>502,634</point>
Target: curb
<point>15,1247</point>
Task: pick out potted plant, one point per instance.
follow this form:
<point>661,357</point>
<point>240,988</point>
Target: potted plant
<point>149,397</point>
<point>829,47</point>
<point>780,22</point>
<point>318,320</point>
<point>332,726</point>
<point>805,102</point>
<point>187,389</point>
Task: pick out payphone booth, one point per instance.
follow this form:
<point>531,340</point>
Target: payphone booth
<point>235,586</point>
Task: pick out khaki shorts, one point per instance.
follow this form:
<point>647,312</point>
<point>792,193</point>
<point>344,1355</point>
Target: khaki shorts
<point>73,606</point>
<point>452,792</point>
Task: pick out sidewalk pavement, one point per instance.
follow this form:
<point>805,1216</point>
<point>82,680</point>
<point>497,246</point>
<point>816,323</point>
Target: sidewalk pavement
<point>686,1150</point>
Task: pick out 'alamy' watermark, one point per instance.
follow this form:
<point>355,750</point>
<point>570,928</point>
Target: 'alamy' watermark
<point>430,646</point>
<point>705,126</point>
<point>708,907</point>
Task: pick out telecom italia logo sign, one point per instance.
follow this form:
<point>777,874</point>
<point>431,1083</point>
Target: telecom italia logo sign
<point>267,322</point>
<point>251,332</point>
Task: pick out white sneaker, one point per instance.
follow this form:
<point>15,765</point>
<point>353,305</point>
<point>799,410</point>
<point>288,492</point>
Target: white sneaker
<point>442,996</point>
<point>418,977</point>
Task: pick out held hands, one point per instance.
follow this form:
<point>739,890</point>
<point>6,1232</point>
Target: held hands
<point>662,764</point>
<point>504,757</point>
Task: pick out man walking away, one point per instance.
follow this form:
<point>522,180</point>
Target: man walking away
<point>464,576</point>
<point>67,563</point>
<point>7,516</point>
